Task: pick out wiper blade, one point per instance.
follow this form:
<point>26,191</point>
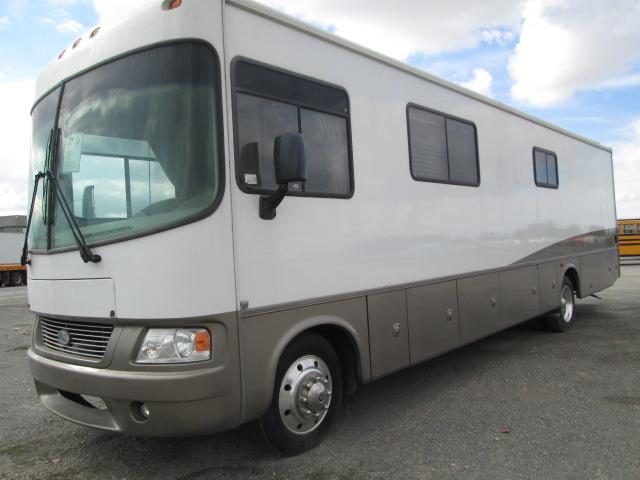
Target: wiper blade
<point>25,247</point>
<point>39,176</point>
<point>85,252</point>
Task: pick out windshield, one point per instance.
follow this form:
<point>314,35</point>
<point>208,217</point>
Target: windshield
<point>44,116</point>
<point>138,144</point>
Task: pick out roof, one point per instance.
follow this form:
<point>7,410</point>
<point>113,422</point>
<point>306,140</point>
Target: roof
<point>259,9</point>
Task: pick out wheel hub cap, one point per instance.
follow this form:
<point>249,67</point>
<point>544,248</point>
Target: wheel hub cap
<point>566,304</point>
<point>305,394</point>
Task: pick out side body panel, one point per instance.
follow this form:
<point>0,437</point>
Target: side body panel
<point>479,302</point>
<point>446,264</point>
<point>519,295</point>
<point>388,332</point>
<point>548,286</point>
<point>434,321</point>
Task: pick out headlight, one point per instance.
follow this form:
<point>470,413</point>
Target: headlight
<point>175,345</point>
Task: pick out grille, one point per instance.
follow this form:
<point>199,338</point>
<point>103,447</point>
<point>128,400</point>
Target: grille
<point>85,339</point>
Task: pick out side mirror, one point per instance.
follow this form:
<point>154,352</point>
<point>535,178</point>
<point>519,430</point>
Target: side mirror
<point>290,162</point>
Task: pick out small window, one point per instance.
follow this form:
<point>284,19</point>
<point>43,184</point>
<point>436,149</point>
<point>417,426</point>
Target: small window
<point>630,229</point>
<point>269,103</point>
<point>442,149</point>
<point>545,166</point>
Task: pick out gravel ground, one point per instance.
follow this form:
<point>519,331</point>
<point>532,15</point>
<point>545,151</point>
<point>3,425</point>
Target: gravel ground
<point>523,403</point>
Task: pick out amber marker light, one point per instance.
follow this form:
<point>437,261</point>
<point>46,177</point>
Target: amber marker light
<point>203,341</point>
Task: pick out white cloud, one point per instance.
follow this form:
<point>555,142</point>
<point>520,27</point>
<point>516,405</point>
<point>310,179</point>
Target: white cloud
<point>626,161</point>
<point>502,38</point>
<point>480,82</point>
<point>15,133</point>
<point>571,45</point>
<point>621,82</point>
<point>112,8</point>
<point>69,26</point>
<point>400,29</point>
<point>4,23</point>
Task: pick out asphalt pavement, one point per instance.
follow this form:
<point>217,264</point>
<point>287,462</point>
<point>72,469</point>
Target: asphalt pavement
<point>524,403</point>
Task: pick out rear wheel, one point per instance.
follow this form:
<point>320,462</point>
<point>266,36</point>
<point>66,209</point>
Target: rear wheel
<point>16,278</point>
<point>306,398</point>
<point>5,278</point>
<point>562,320</point>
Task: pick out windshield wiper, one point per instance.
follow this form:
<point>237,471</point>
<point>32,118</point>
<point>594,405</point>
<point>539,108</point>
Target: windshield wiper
<point>25,248</point>
<point>39,176</point>
<point>85,252</point>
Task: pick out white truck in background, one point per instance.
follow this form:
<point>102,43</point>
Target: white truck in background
<point>12,273</point>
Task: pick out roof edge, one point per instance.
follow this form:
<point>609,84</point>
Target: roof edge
<point>272,14</point>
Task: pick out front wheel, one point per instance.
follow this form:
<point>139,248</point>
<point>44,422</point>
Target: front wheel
<point>562,320</point>
<point>306,398</point>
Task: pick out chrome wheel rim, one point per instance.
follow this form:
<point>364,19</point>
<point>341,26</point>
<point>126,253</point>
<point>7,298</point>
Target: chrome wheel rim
<point>305,394</point>
<point>566,303</point>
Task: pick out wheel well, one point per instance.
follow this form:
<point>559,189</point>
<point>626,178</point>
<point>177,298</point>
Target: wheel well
<point>346,349</point>
<point>572,274</point>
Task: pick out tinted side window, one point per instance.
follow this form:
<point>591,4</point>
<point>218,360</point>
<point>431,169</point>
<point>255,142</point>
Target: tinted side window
<point>262,121</point>
<point>545,167</point>
<point>461,142</point>
<point>264,109</point>
<point>442,149</point>
<point>325,138</point>
<point>428,145</point>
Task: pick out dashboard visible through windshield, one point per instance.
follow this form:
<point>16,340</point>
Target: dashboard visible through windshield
<point>138,146</point>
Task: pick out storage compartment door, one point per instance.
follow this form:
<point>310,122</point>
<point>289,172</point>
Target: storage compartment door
<point>478,300</point>
<point>388,333</point>
<point>519,295</point>
<point>434,323</point>
<point>549,287</point>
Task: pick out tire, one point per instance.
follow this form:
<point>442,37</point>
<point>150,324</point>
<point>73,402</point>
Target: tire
<point>562,319</point>
<point>5,278</point>
<point>306,398</point>
<point>16,278</point>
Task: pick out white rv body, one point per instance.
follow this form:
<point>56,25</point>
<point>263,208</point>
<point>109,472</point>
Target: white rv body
<point>400,270</point>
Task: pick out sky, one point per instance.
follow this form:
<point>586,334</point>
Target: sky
<point>574,63</point>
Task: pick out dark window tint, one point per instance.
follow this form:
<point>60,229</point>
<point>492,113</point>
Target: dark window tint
<point>545,166</point>
<point>265,110</point>
<point>461,142</point>
<point>325,138</point>
<point>428,145</point>
<point>262,121</point>
<point>442,149</point>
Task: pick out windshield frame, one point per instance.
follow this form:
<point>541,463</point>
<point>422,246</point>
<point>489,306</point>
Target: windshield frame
<point>220,151</point>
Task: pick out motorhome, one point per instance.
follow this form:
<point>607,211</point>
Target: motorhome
<point>237,216</point>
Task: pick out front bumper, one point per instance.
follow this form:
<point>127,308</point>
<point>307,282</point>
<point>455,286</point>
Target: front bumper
<point>182,400</point>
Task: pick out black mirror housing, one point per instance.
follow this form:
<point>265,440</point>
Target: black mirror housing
<point>290,159</point>
<point>290,163</point>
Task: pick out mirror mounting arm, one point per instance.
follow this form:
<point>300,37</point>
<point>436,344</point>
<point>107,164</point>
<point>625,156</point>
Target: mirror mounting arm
<point>269,203</point>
